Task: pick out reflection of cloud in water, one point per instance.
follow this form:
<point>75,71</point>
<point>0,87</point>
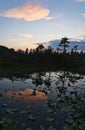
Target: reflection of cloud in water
<point>27,95</point>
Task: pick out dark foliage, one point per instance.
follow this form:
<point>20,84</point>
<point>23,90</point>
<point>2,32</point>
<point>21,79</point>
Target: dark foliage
<point>42,59</point>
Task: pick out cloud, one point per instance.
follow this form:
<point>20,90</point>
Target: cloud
<point>49,18</point>
<point>27,12</point>
<point>80,0</point>
<point>83,15</point>
<point>57,16</point>
<point>25,35</point>
<point>80,38</point>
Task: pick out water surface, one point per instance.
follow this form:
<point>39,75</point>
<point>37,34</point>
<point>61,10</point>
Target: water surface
<point>44,101</point>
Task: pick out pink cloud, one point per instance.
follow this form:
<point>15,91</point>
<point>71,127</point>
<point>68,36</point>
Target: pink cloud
<point>25,35</point>
<point>27,12</point>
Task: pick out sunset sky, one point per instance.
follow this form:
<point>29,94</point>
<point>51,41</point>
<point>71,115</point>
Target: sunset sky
<point>23,23</point>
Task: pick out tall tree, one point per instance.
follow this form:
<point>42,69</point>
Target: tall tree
<point>64,43</point>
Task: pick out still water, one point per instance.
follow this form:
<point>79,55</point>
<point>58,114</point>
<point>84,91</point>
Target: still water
<point>43,101</point>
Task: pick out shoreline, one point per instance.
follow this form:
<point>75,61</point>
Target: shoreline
<point>24,72</point>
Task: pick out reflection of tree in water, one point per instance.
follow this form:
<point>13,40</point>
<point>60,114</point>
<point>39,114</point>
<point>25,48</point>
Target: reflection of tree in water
<point>43,79</point>
<point>69,100</point>
<point>34,92</point>
<point>37,80</point>
<point>66,80</point>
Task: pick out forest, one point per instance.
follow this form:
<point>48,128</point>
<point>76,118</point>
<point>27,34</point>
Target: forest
<point>42,59</point>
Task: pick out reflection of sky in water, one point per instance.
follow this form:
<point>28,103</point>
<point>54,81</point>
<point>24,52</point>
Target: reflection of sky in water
<point>17,84</point>
<point>32,99</point>
<point>27,95</point>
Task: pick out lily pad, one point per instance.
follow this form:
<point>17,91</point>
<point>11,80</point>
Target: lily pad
<point>42,127</point>
<point>51,128</point>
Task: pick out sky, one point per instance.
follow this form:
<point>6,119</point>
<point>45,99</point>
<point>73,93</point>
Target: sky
<point>23,23</point>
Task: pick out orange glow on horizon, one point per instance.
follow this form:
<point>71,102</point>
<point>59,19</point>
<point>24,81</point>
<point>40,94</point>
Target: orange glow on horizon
<point>24,47</point>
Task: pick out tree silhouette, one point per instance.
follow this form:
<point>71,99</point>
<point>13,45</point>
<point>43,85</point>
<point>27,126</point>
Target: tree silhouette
<point>49,49</point>
<point>64,43</point>
<point>40,48</point>
<point>26,51</point>
<point>75,48</point>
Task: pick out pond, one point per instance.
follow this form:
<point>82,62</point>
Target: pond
<point>43,101</point>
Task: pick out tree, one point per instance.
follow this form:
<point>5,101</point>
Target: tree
<point>19,51</point>
<point>49,49</point>
<point>40,48</point>
<point>64,43</point>
<point>26,51</point>
<point>75,48</point>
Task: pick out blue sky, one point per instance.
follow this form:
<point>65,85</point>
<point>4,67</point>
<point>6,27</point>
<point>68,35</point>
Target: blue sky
<point>26,22</point>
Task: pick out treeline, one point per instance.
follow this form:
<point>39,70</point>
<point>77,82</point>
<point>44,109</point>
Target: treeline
<point>43,58</point>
